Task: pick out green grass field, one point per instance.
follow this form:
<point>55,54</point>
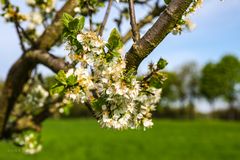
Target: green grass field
<point>177,140</point>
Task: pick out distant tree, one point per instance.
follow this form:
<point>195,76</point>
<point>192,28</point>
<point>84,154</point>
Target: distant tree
<point>188,76</point>
<point>229,75</point>
<point>220,80</point>
<point>181,87</point>
<point>170,92</point>
<point>209,83</point>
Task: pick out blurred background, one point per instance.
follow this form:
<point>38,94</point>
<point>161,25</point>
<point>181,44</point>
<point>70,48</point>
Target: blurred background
<point>197,117</point>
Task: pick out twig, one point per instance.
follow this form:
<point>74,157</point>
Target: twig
<point>146,20</point>
<point>19,36</point>
<point>135,31</point>
<point>90,22</point>
<point>26,35</point>
<point>105,18</point>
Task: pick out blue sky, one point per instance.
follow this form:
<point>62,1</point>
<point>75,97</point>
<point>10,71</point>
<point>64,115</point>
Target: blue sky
<point>217,33</point>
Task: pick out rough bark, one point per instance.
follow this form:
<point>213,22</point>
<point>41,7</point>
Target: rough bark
<point>51,61</point>
<point>18,75</point>
<point>160,29</point>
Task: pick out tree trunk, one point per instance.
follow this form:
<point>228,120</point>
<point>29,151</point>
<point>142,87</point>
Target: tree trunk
<point>18,75</point>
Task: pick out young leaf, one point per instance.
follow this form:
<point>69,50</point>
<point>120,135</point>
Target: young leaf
<point>66,18</point>
<point>61,77</point>
<point>115,41</point>
<point>71,80</point>
<point>157,80</point>
<point>162,63</point>
<point>81,23</point>
<point>73,25</point>
<point>76,24</point>
<point>57,89</point>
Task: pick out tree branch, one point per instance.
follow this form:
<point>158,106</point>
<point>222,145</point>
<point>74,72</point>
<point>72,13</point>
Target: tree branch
<point>16,24</point>
<point>54,63</point>
<point>146,20</point>
<point>105,17</point>
<point>26,35</point>
<point>17,76</point>
<point>164,24</point>
<point>135,31</point>
<point>53,32</point>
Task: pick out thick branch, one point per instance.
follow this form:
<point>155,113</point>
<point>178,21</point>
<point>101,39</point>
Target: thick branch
<point>54,63</point>
<point>164,24</point>
<point>53,32</point>
<point>146,20</point>
<point>18,75</point>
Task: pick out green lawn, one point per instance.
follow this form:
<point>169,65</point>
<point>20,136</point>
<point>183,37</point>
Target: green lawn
<point>177,140</point>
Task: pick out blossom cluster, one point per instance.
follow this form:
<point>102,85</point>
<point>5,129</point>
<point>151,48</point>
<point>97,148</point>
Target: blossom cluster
<point>40,10</point>
<point>33,100</point>
<point>29,140</point>
<point>37,96</point>
<point>119,98</point>
<point>11,14</point>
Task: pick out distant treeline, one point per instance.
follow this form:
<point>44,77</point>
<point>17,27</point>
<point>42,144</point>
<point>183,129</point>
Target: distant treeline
<point>213,82</point>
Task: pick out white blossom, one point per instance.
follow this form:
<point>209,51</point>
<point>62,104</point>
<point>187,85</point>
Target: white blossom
<point>127,105</point>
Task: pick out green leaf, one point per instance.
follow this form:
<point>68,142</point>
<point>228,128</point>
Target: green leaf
<point>57,89</point>
<point>66,33</point>
<point>154,82</point>
<point>73,25</point>
<point>71,80</point>
<point>114,41</point>
<point>77,24</point>
<point>61,77</point>
<point>162,63</point>
<point>157,80</point>
<point>116,54</point>
<point>66,18</point>
<point>81,22</point>
<point>129,75</point>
